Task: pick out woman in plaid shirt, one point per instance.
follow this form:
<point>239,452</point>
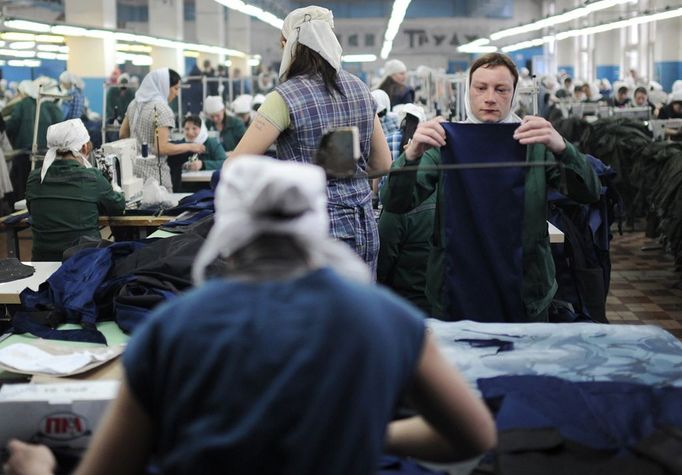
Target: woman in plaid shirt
<point>316,95</point>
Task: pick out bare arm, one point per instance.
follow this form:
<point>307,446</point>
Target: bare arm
<point>124,131</point>
<point>455,424</point>
<point>257,139</point>
<point>379,153</point>
<point>168,148</point>
<point>123,441</point>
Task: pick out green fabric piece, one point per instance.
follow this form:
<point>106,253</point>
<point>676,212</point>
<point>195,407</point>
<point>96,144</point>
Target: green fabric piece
<point>67,205</point>
<point>232,133</point>
<point>405,191</point>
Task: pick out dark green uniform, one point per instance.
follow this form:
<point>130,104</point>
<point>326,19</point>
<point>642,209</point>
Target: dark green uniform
<point>67,205</point>
<point>232,133</point>
<point>214,157</point>
<point>404,251</point>
<point>405,191</point>
<point>118,100</point>
<point>20,124</point>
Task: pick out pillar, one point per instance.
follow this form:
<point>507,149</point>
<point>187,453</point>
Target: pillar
<point>607,52</point>
<point>239,38</point>
<point>166,20</point>
<point>210,28</point>
<point>668,52</point>
<point>93,59</point>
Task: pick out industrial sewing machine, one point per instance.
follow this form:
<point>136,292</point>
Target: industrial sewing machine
<point>115,160</point>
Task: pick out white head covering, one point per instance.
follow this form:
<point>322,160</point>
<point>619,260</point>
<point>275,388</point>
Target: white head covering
<point>70,78</point>
<point>242,104</point>
<point>202,135</point>
<point>258,100</point>
<point>312,27</point>
<point>155,87</point>
<point>28,88</point>
<point>594,91</point>
<point>412,109</point>
<point>213,104</point>
<point>382,100</point>
<point>677,85</point>
<point>67,136</point>
<point>511,116</point>
<point>251,190</point>
<point>676,96</point>
<point>394,66</point>
<point>124,78</point>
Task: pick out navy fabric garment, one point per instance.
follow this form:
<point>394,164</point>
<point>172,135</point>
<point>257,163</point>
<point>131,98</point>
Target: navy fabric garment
<point>297,376</point>
<point>483,212</point>
<point>600,415</point>
<point>390,464</point>
<point>77,286</point>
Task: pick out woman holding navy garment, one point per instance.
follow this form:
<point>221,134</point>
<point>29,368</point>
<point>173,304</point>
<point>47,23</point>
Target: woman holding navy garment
<point>316,95</point>
<point>491,94</point>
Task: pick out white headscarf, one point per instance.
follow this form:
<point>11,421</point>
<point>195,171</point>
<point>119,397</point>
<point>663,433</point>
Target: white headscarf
<point>242,104</point>
<point>251,190</point>
<point>28,88</point>
<point>155,87</point>
<point>70,78</point>
<point>382,100</point>
<point>312,27</point>
<point>213,104</point>
<point>202,135</point>
<point>472,119</point>
<point>394,66</point>
<point>67,136</point>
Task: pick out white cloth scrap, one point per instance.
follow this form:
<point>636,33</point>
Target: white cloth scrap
<point>30,359</point>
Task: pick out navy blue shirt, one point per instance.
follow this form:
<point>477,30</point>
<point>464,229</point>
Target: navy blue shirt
<point>285,377</point>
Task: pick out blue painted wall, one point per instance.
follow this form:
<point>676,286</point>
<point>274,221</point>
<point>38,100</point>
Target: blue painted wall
<point>457,66</point>
<point>570,70</point>
<point>668,72</point>
<point>524,56</point>
<point>608,71</point>
<point>48,67</point>
<point>94,92</point>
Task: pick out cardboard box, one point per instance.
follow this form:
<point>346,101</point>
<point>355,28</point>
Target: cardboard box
<point>57,415</point>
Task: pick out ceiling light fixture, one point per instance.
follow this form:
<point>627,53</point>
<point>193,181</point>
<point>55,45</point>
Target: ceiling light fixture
<point>359,58</point>
<point>592,30</point>
<point>557,19</point>
<point>394,22</point>
<point>253,11</point>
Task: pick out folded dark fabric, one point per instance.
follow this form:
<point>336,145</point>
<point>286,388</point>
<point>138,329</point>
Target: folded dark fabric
<point>12,269</point>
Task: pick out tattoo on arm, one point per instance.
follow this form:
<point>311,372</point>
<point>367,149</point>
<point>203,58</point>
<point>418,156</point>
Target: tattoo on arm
<point>259,124</point>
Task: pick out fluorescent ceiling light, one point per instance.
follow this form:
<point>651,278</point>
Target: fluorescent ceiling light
<point>46,55</point>
<point>68,30</point>
<point>394,22</point>
<point>27,25</point>
<point>17,53</point>
<point>557,19</point>
<point>17,36</point>
<point>28,63</point>
<point>359,58</point>
<point>253,61</point>
<point>54,48</point>
<point>49,39</point>
<point>476,49</point>
<point>63,57</point>
<point>22,45</point>
<point>77,31</point>
<point>253,11</point>
<point>191,54</point>
<point>593,30</point>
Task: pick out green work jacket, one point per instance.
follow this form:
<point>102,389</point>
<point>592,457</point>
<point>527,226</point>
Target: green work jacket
<point>66,206</point>
<point>232,133</point>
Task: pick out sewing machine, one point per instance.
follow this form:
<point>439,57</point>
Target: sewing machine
<point>120,156</point>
